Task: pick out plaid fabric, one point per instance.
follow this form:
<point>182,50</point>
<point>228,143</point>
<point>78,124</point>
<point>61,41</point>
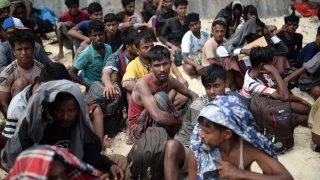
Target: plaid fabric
<point>35,163</point>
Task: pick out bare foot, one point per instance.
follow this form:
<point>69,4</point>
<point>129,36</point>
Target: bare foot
<point>106,142</point>
<point>58,57</point>
<point>129,140</point>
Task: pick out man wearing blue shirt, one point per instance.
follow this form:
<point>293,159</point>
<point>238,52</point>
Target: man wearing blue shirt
<point>92,59</point>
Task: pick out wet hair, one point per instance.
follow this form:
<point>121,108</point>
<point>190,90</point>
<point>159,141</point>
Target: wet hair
<point>291,18</point>
<point>96,26</point>
<point>53,71</point>
<point>209,124</point>
<point>21,36</point>
<point>250,9</point>
<point>213,72</point>
<point>127,36</point>
<point>110,17</point>
<point>192,17</point>
<point>180,2</point>
<point>94,7</point>
<point>261,55</point>
<point>126,2</point>
<point>69,3</point>
<point>158,53</point>
<point>142,35</point>
<point>218,22</point>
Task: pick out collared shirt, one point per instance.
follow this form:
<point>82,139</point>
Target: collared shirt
<point>136,69</point>
<point>173,31</point>
<point>91,63</point>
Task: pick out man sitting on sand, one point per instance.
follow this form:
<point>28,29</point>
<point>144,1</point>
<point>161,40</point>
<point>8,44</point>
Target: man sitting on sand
<point>21,72</point>
<point>257,81</point>
<point>192,44</point>
<point>149,103</point>
<point>214,81</point>
<point>57,115</point>
<point>225,143</point>
<point>92,59</point>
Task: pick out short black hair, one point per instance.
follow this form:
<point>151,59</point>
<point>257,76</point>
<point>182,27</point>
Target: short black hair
<point>127,36</point>
<point>192,17</point>
<point>213,72</point>
<point>250,9</point>
<point>63,97</point>
<point>180,2</point>
<point>142,35</point>
<point>126,2</point>
<point>96,26</point>
<point>110,17</point>
<point>21,36</point>
<point>68,3</point>
<point>157,53</point>
<point>20,4</point>
<point>53,71</point>
<point>291,18</point>
<point>261,55</point>
<point>219,22</point>
<point>94,7</point>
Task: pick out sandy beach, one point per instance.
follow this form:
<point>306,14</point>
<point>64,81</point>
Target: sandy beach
<point>301,161</point>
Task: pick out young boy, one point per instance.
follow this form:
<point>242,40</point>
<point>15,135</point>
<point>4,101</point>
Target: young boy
<point>92,59</point>
<point>192,44</point>
<point>21,72</point>
<point>66,21</point>
<point>225,143</point>
<point>80,32</point>
<point>292,39</point>
<point>257,81</point>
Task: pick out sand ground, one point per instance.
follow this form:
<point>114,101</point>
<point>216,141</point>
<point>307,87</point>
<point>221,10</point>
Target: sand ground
<point>301,161</point>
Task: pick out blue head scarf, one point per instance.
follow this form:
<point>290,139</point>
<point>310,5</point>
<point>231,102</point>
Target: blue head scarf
<point>227,111</point>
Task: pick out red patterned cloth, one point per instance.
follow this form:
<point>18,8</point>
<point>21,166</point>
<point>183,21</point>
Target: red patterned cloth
<point>36,162</point>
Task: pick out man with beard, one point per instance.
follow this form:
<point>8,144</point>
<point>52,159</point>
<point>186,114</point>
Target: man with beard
<point>149,104</point>
<point>92,59</point>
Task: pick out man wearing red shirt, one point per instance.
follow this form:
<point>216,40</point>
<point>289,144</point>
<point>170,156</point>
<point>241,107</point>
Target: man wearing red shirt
<point>66,21</point>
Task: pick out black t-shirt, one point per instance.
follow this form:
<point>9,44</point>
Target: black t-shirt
<point>294,45</point>
<point>116,42</point>
<point>173,31</point>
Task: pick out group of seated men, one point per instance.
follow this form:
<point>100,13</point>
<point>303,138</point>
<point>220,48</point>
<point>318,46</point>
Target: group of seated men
<point>117,61</point>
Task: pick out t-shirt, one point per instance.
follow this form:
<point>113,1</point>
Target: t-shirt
<point>308,52</point>
<point>294,45</point>
<point>210,50</point>
<point>91,63</point>
<point>13,71</point>
<point>252,86</point>
<point>192,45</point>
<point>173,31</point>
<point>66,16</point>
<point>162,15</point>
<point>136,69</point>
<point>116,42</point>
<point>83,26</point>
